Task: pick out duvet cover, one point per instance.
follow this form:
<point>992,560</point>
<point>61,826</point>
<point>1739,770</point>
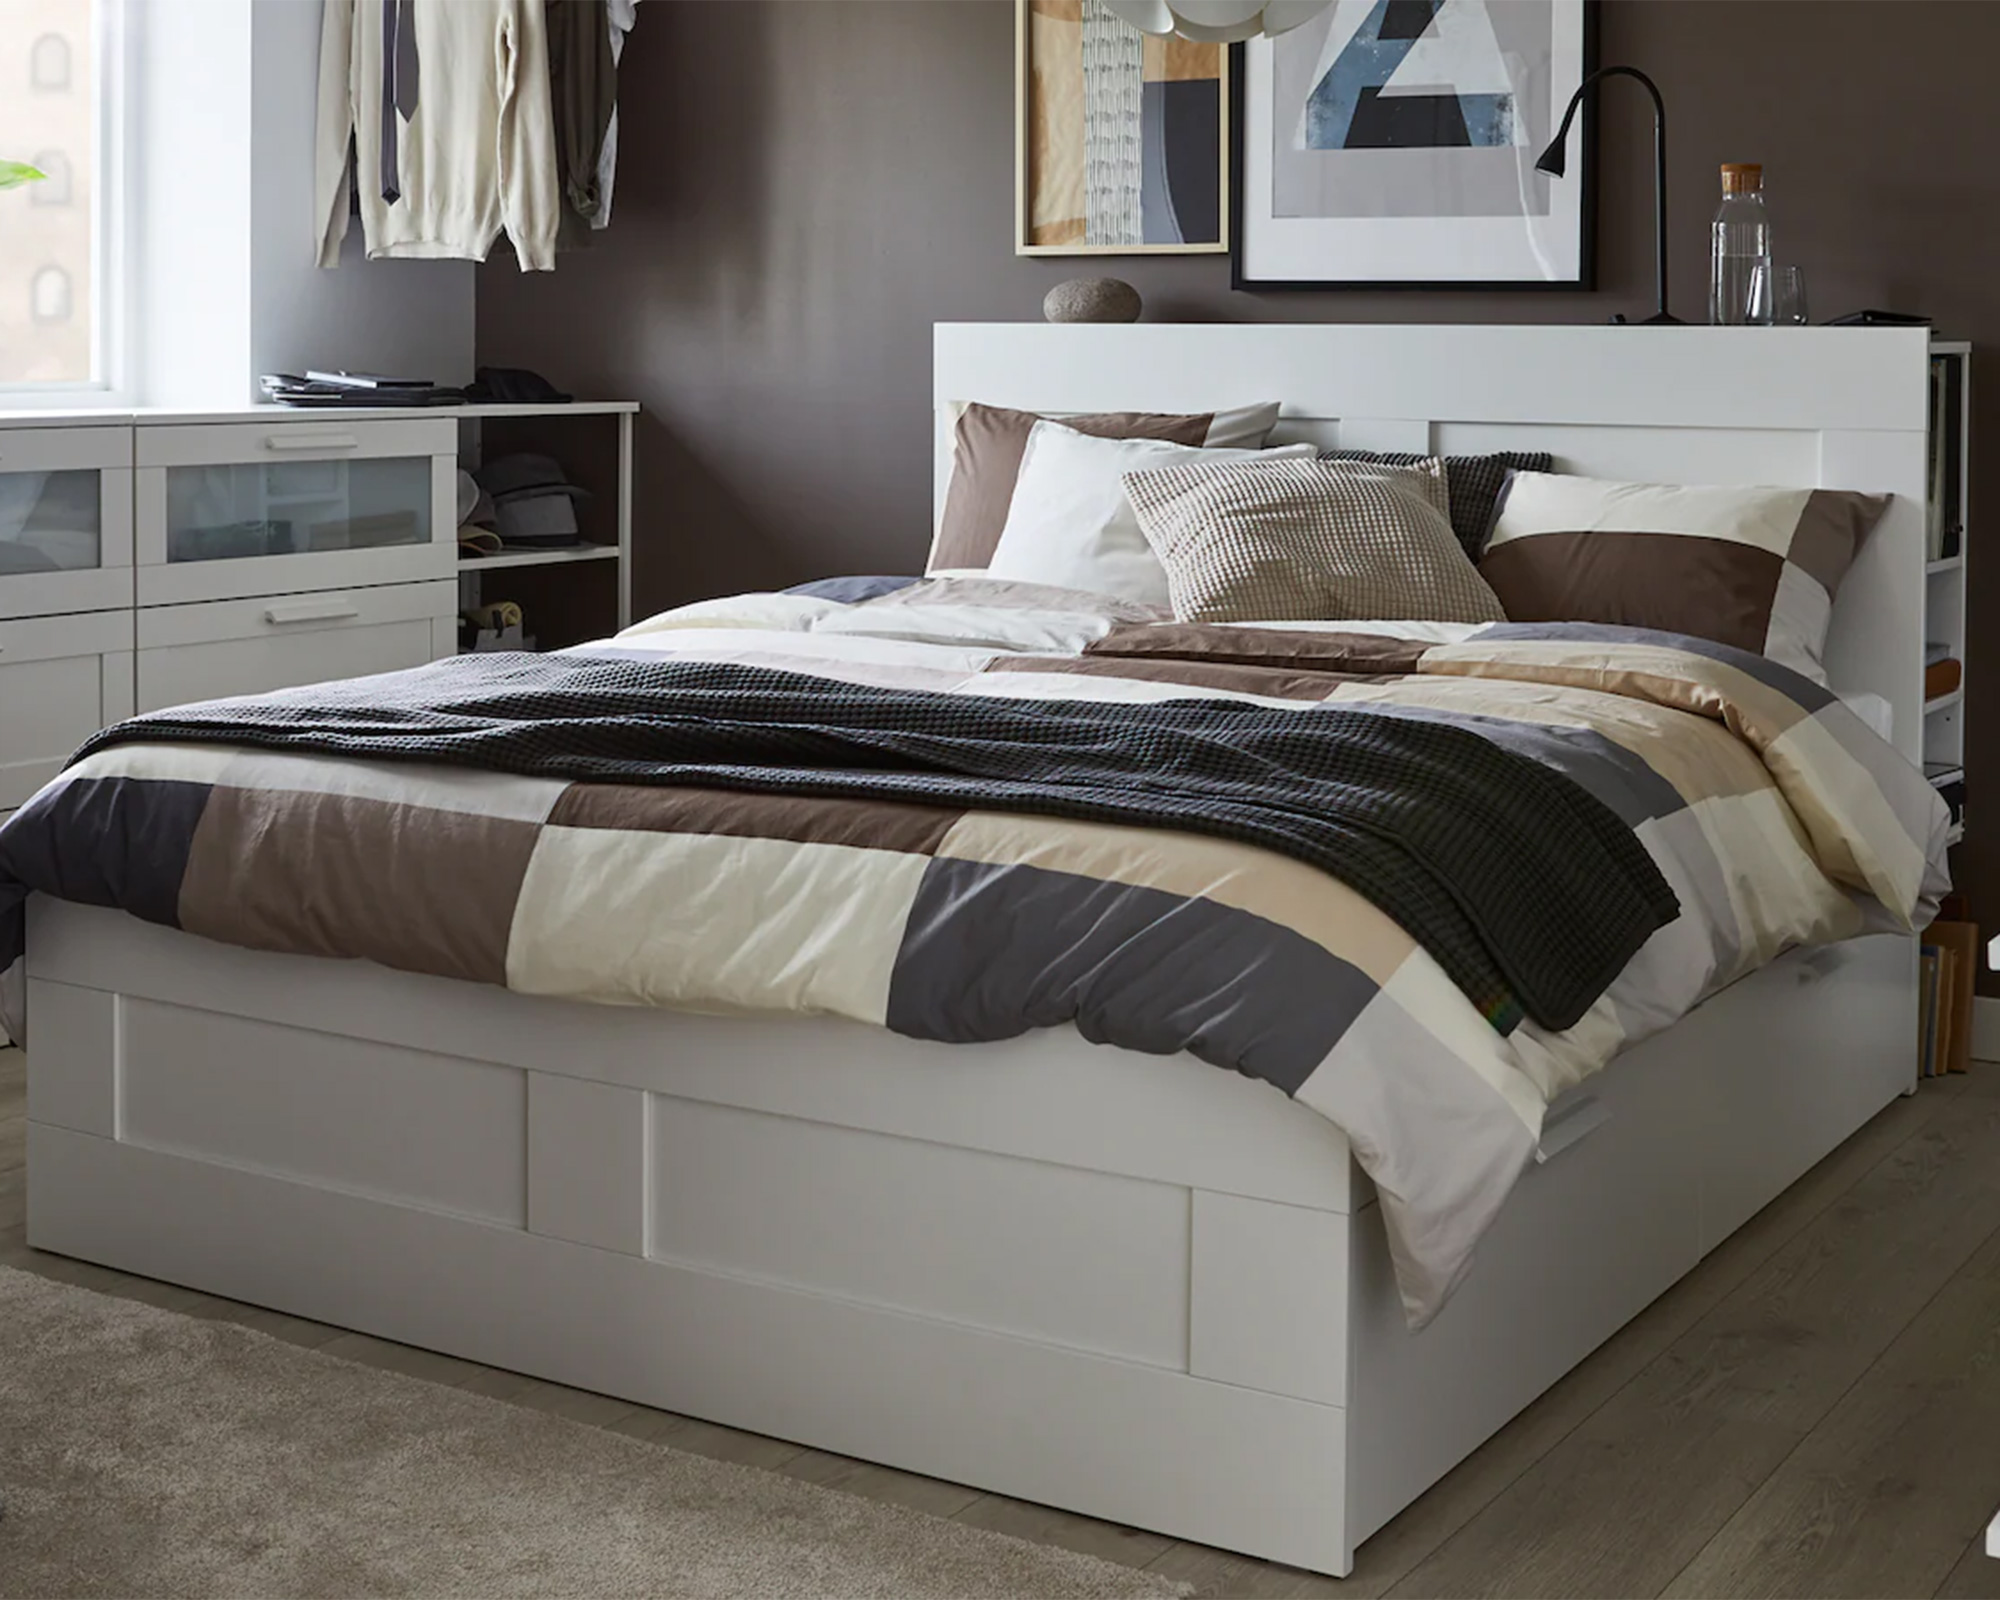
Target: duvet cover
<point>1421,877</point>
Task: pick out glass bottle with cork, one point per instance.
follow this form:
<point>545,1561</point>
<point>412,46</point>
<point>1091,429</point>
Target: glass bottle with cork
<point>1739,283</point>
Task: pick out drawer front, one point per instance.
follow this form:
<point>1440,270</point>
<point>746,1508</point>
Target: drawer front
<point>1781,1108</point>
<point>65,530</point>
<point>236,443</point>
<point>64,449</point>
<point>285,521</point>
<point>61,679</point>
<point>210,652</point>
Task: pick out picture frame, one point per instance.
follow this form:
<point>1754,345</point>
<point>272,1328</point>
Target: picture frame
<point>1416,195</point>
<point>1178,202</point>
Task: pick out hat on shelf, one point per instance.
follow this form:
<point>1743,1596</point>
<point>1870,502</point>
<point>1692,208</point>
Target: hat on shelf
<point>533,502</point>
<point>523,475</point>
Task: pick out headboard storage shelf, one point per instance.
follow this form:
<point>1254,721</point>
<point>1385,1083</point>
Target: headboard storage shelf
<point>1947,527</point>
<point>1837,408</point>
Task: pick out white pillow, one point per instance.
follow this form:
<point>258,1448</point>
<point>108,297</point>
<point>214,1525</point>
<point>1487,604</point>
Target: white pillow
<point>1070,523</point>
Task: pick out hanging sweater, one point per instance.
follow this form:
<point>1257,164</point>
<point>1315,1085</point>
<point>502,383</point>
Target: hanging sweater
<point>447,106</point>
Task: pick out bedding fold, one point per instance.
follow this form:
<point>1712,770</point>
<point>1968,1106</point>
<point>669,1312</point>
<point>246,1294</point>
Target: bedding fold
<point>1530,892</point>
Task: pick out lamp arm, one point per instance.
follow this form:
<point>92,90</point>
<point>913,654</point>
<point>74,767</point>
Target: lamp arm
<point>1659,165</point>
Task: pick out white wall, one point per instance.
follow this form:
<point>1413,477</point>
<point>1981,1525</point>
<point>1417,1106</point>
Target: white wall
<point>407,317</point>
<point>228,286</point>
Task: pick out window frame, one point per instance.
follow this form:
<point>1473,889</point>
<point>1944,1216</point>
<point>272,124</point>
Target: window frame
<point>113,284</point>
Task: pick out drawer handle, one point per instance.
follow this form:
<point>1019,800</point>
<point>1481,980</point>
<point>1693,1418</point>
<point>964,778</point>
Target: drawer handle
<point>311,441</point>
<point>320,611</point>
<point>1570,1127</point>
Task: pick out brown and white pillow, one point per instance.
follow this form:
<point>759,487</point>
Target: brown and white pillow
<point>1756,568</point>
<point>1288,540</point>
<point>989,441</point>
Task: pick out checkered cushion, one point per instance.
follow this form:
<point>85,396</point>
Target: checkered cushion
<point>1267,541</point>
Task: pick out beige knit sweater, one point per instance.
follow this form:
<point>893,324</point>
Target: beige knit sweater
<point>478,152</point>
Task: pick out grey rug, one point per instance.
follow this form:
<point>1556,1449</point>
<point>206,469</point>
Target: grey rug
<point>147,1453</point>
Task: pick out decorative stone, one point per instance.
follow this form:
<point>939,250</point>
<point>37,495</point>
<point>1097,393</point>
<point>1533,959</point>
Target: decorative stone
<point>1092,300</point>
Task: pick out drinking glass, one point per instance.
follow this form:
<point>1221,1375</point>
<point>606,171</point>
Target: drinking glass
<point>1784,291</point>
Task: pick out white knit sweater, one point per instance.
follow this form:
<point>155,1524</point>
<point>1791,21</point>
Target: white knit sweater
<point>479,151</point>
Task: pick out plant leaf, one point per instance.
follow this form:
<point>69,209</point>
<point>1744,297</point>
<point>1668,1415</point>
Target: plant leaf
<point>15,173</point>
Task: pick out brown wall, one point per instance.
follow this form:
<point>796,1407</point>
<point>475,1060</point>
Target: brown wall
<point>805,186</point>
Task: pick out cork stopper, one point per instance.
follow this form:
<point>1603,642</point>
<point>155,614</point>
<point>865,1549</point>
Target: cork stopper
<point>1742,177</point>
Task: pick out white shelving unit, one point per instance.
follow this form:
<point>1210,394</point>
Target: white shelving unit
<point>619,412</point>
<point>540,558</point>
<point>1945,572</point>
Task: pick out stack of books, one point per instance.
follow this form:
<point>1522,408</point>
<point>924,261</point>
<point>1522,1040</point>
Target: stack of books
<point>1950,957</point>
<point>331,390</point>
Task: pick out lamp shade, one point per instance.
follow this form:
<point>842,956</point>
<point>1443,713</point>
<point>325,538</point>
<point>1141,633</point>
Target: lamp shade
<point>1216,21</point>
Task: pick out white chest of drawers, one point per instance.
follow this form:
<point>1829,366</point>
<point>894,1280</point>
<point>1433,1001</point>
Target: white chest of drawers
<point>145,563</point>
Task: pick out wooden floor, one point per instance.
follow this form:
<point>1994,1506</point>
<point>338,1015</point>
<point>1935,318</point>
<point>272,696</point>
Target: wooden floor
<point>1815,1410</point>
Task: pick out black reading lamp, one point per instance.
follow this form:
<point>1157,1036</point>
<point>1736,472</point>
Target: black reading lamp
<point>1552,164</point>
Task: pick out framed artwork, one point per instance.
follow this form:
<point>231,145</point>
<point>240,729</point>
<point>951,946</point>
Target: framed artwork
<point>1391,144</point>
<point>1119,137</point>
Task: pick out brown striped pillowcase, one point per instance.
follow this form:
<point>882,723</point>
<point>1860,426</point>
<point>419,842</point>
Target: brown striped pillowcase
<point>988,442</point>
<point>1749,567</point>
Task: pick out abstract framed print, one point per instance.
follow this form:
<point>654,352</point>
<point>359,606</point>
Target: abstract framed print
<point>1392,144</point>
<point>1119,137</point>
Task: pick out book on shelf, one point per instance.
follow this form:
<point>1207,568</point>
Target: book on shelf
<point>1927,993</point>
<point>1947,1011</point>
<point>1934,467</point>
<point>1960,942</point>
<point>1950,964</point>
<point>1941,677</point>
<point>1944,521</point>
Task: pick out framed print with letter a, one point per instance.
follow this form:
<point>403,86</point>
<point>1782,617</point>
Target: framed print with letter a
<point>1391,144</point>
<point>1118,136</point>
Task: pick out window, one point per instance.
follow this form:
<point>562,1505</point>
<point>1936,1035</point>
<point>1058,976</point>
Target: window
<point>54,190</point>
<point>60,64</point>
<point>50,298</point>
<point>48,62</point>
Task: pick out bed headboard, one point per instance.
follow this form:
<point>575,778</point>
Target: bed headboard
<point>1841,408</point>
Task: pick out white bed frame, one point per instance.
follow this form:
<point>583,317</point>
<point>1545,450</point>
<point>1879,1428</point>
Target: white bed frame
<point>1131,1286</point>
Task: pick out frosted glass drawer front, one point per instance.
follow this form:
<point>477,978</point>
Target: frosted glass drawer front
<point>65,520</point>
<point>233,510</point>
<point>61,679</point>
<point>287,508</point>
<point>234,647</point>
<point>51,522</point>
